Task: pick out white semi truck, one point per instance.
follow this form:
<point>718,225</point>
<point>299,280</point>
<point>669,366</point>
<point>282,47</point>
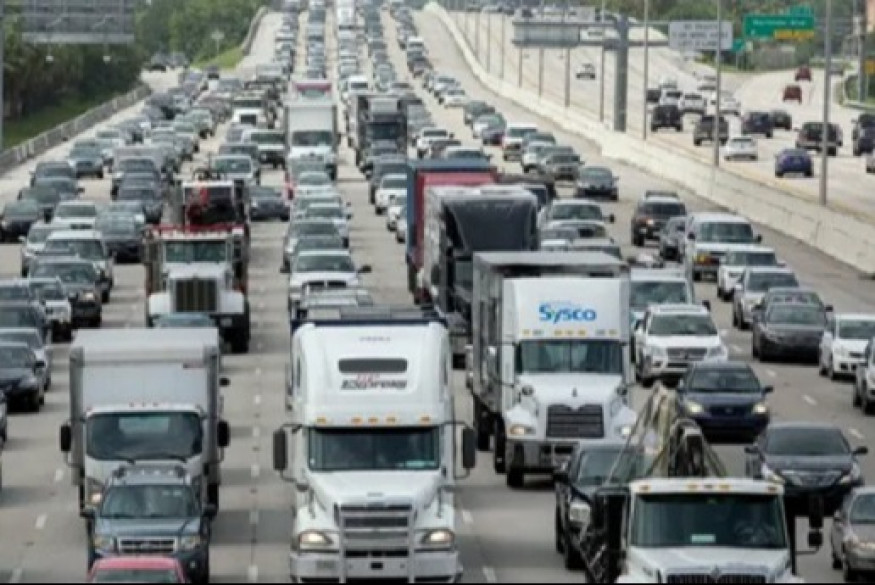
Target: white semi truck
<point>550,357</point>
<point>374,447</point>
<point>145,395</point>
<point>311,131</point>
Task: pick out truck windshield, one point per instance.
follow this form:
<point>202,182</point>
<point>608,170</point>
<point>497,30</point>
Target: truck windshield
<point>142,436</point>
<point>149,501</point>
<point>374,449</point>
<point>312,138</point>
<point>87,249</point>
<point>391,131</point>
<point>713,520</point>
<point>582,356</point>
<point>195,252</point>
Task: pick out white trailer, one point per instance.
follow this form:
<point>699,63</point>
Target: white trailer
<point>374,451</point>
<point>145,395</point>
<point>311,131</point>
<point>550,358</point>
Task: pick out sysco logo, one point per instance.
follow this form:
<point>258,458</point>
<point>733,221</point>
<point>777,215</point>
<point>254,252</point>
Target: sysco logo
<point>565,312</point>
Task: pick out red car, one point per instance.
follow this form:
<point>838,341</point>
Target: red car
<point>803,74</point>
<point>137,570</point>
<point>793,93</point>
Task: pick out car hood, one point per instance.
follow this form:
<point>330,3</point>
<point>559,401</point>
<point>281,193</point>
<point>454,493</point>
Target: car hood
<point>723,398</point>
<point>864,532</point>
<point>140,527</point>
<point>302,278</point>
<point>594,182</point>
<point>75,287</point>
<point>673,341</point>
<point>417,487</point>
<point>842,463</point>
<point>722,247</point>
<point>704,560</point>
<point>807,330</point>
<point>854,345</point>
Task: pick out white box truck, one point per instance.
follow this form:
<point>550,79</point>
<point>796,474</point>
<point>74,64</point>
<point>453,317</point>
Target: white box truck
<point>373,454</point>
<point>145,395</point>
<point>550,359</point>
<point>311,132</point>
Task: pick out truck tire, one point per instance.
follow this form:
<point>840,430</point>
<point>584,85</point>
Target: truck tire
<point>481,427</point>
<point>516,479</point>
<point>104,298</point>
<point>498,454</point>
<point>213,494</point>
<point>240,341</point>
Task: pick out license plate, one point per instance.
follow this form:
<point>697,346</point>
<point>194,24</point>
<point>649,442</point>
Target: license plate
<point>227,322</point>
<point>326,565</point>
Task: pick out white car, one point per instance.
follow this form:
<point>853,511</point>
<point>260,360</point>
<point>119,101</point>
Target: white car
<point>692,103</point>
<point>843,345</point>
<point>481,124</point>
<point>585,71</point>
<point>393,213</point>
<point>391,187</point>
<point>532,154</point>
<point>454,98</point>
<point>730,105</point>
<point>741,148</point>
<point>401,226</point>
<point>332,267</point>
<point>671,337</point>
<point>736,261</point>
<point>75,215</point>
<point>429,135</point>
<point>670,97</point>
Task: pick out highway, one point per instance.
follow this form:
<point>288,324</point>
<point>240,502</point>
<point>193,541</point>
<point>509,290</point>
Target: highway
<point>849,183</point>
<point>504,536</point>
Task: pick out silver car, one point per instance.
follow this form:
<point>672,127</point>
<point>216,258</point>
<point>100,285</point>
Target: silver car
<point>55,298</point>
<point>33,339</point>
<point>753,286</point>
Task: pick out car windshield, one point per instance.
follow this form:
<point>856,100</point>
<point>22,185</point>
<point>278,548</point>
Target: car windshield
<point>43,195</point>
<point>797,314</point>
<point>14,293</point>
<point>117,226</point>
<point>857,329</point>
<point>312,138</point>
<point>863,509</point>
<point>15,357</point>
<point>664,209</point>
<point>55,170</point>
<point>733,232</point>
<point>38,234</point>
<point>30,338</point>
<point>596,174</point>
<point>314,229</point>
<point>324,213</point>
<point>233,165</point>
<point>589,356</point>
<point>21,209</point>
<point>264,193</point>
<point>87,249</point>
<point>314,179</point>
<point>806,442</point>
<point>85,152</point>
<point>324,263</point>
<point>135,165</point>
<point>317,243</point>
<point>564,159</point>
<point>762,282</point>
<point>724,380</point>
<point>684,325</point>
<point>595,467</point>
<point>48,290</point>
<point>411,449</point>
<point>645,293</point>
<point>399,200</point>
<point>69,273</point>
<point>743,521</point>
<point>149,502</point>
<point>751,259</point>
<point>562,212</point>
<point>136,194</point>
<point>138,436</point>
<point>396,183</point>
<point>190,251</point>
<point>76,211</point>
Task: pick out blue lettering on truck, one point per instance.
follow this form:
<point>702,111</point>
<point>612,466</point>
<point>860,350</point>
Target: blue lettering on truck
<point>564,312</point>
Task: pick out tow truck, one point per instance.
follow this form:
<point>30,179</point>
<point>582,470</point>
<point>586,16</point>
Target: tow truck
<point>669,513</point>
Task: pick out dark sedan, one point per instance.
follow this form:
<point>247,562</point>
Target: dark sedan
<point>146,193</point>
<point>726,400</point>
<point>81,281</point>
<point>758,123</point>
<point>22,376</point>
<point>87,161</point>
<point>493,135</point>
<point>793,161</point>
<point>782,119</point>
<point>809,459</point>
<point>46,196</point>
<point>123,237</point>
<point>864,141</point>
<point>474,109</point>
<point>597,182</point>
<point>68,189</point>
<point>16,219</point>
<point>791,330</point>
<point>267,203</point>
<point>24,314</point>
<point>52,169</point>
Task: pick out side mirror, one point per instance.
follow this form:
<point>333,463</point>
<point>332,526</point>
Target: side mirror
<point>611,218</point>
<point>88,513</point>
<point>469,449</point>
<point>280,451</point>
<point>860,451</point>
<point>752,450</point>
<point>769,390</point>
<point>366,269</point>
<point>691,236</point>
<point>758,238</point>
<point>66,438</point>
<point>224,382</point>
<point>210,511</point>
<point>80,190</point>
<point>39,365</point>
<point>829,309</point>
<point>707,304</point>
<point>223,434</point>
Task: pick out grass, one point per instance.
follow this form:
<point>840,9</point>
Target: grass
<point>20,130</point>
<point>227,60</point>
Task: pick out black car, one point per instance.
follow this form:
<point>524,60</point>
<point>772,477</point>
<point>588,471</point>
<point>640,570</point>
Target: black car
<point>68,189</point>
<point>52,169</point>
<point>597,182</point>
<point>864,141</point>
<point>123,237</point>
<point>82,282</point>
<point>666,117</point>
<point>780,295</point>
<point>267,203</point>
<point>576,482</point>
<point>792,330</point>
<point>21,376</point>
<point>25,314</point>
<point>758,123</point>
<point>782,119</point>
<point>726,400</point>
<point>809,459</point>
<point>862,123</point>
<point>704,130</point>
<point>146,192</point>
<point>16,219</point>
<point>652,213</point>
<point>46,196</point>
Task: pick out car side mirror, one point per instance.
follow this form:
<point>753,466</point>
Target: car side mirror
<point>39,365</point>
<point>752,450</point>
<point>88,513</point>
<point>706,304</point>
<point>758,238</point>
<point>223,434</point>
<point>829,309</point>
<point>210,511</point>
<point>80,190</point>
<point>769,390</point>
<point>66,438</point>
<point>861,451</point>
<point>691,236</point>
<point>611,218</point>
<point>224,382</point>
<point>366,269</point>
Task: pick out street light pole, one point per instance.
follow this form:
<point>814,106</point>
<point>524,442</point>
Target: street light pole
<point>862,78</point>
<point>2,67</point>
<point>646,67</point>
<point>827,97</point>
<point>489,42</point>
<point>718,59</point>
<point>503,19</point>
<point>602,66</point>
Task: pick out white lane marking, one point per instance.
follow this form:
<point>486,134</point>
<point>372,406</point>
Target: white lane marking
<point>724,333</point>
<point>735,348</point>
<point>255,470</point>
<point>16,576</point>
<point>259,346</point>
<point>857,434</point>
<point>489,573</point>
<point>256,432</point>
<point>252,574</point>
<point>467,518</point>
<point>258,371</point>
<point>811,401</point>
<point>59,475</point>
<point>253,517</point>
<point>256,400</point>
<point>41,521</point>
<point>771,373</point>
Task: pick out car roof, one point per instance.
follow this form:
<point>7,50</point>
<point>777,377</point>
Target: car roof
<point>730,365</point>
<point>751,248</point>
<point>31,330</point>
<point>679,309</point>
<point>803,425</point>
<point>344,253</point>
<point>14,344</point>
<point>854,317</point>
<point>711,216</point>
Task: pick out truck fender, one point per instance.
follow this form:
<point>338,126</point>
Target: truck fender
<point>234,303</point>
<point>158,304</point>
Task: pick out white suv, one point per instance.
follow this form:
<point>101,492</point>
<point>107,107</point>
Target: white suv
<point>843,346</point>
<point>671,337</point>
<point>429,135</point>
<point>736,262</point>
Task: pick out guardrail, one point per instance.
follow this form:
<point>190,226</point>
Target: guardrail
<point>842,234</point>
<point>12,157</point>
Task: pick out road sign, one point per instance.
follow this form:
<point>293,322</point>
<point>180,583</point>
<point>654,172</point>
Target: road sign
<point>698,35</point>
<point>738,46</point>
<point>217,36</point>
<point>779,27</point>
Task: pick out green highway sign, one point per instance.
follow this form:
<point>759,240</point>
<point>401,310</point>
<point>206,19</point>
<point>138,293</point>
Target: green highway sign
<point>738,46</point>
<point>779,27</point>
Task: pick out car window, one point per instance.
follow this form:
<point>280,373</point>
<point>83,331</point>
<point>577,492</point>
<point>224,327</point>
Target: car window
<point>683,325</point>
<point>796,314</point>
<point>855,329</point>
<point>810,442</point>
<point>723,380</point>
<point>762,282</point>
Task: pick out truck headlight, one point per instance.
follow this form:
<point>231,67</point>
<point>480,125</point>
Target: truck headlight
<point>87,297</point>
<point>189,543</point>
<point>761,409</point>
<point>520,430</point>
<point>103,543</point>
<point>579,513</point>
<point>314,539</point>
<point>94,492</point>
<point>441,538</point>
<point>693,408</point>
<point>702,258</point>
<point>771,476</point>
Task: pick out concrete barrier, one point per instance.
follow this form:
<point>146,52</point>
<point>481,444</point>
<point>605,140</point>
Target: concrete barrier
<point>838,234</point>
<point>246,45</point>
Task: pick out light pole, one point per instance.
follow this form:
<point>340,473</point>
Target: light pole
<point>477,35</point>
<point>2,61</point>
<point>489,42</point>
<point>827,97</point>
<point>718,60</point>
<point>602,66</point>
<point>503,19</point>
<point>540,71</point>
<point>862,83</point>
<point>646,67</point>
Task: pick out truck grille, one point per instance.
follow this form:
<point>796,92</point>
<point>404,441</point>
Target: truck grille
<point>196,296</point>
<point>320,285</point>
<point>732,579</point>
<point>687,353</point>
<point>585,422</point>
<point>376,530</point>
<point>146,546</point>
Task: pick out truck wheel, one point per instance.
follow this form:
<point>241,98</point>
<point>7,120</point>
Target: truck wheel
<point>570,557</point>
<point>104,298</point>
<point>33,402</point>
<point>240,342</point>
<point>516,479</point>
<point>498,462</point>
<point>481,427</point>
<point>213,494</point>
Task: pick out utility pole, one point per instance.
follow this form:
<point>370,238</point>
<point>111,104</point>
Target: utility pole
<point>621,75</point>
<point>2,67</point>
<point>827,98</point>
<point>602,67</point>
<point>860,33</point>
<point>477,34</point>
<point>503,19</point>
<point>718,58</point>
<point>646,67</point>
<point>540,71</point>
<point>489,42</point>
<point>519,73</point>
<point>567,77</point>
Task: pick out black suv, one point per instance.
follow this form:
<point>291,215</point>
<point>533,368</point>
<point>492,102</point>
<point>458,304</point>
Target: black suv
<point>666,117</point>
<point>758,123</point>
<point>864,141</point>
<point>810,137</point>
<point>704,131</point>
<point>652,213</point>
<point>861,124</point>
<point>82,283</point>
